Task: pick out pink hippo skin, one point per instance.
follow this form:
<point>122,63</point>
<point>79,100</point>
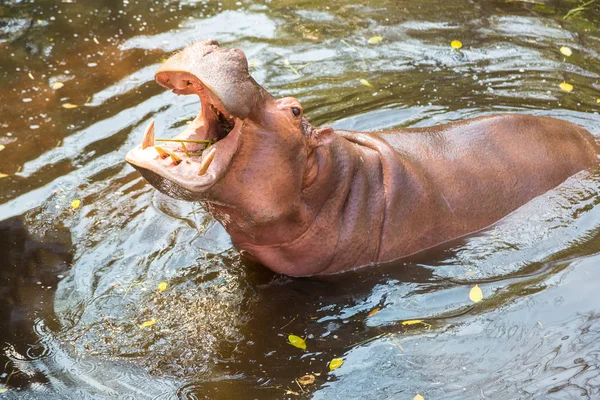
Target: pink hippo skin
<point>303,200</point>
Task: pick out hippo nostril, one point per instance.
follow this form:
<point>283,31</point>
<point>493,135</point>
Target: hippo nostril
<point>189,83</point>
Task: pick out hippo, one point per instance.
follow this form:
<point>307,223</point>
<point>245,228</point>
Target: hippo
<point>304,200</point>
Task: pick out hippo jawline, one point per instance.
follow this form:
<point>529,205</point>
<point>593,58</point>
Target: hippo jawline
<point>186,165</point>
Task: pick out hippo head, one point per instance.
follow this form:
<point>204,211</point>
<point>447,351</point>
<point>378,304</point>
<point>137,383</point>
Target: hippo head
<point>247,156</point>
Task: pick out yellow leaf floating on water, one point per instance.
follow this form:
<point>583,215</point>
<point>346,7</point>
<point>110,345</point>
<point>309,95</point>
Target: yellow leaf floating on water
<point>375,39</point>
<point>476,295</point>
<point>3,390</point>
<point>374,311</point>
<point>69,105</point>
<point>566,87</point>
<point>365,82</point>
<point>418,397</point>
<point>3,175</point>
<point>565,51</point>
<point>297,341</point>
<point>456,44</point>
<point>57,85</point>
<point>2,147</point>
<point>335,363</point>
<point>75,204</point>
<point>412,322</point>
<point>597,100</point>
<point>162,286</point>
<point>148,323</point>
<point>306,379</point>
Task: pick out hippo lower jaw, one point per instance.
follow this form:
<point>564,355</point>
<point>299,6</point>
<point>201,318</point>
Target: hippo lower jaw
<point>187,165</point>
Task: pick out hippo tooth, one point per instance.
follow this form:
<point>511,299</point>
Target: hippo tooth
<point>206,161</point>
<point>148,136</point>
<point>161,152</point>
<point>176,159</point>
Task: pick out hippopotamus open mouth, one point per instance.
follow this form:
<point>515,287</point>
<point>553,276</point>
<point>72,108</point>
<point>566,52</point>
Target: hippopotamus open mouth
<point>186,165</point>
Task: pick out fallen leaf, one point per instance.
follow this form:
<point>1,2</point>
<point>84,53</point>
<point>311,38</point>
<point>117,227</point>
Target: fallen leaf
<point>69,105</point>
<point>31,76</point>
<point>597,100</point>
<point>418,397</point>
<point>565,51</point>
<point>335,363</point>
<point>365,82</point>
<point>147,323</point>
<point>566,87</point>
<point>375,39</point>
<point>456,44</point>
<point>3,175</point>
<point>297,341</point>
<point>476,295</point>
<point>253,63</point>
<point>3,390</point>
<point>412,322</point>
<point>96,41</point>
<point>2,147</point>
<point>162,286</point>
<point>306,379</point>
<point>288,391</point>
<point>75,204</point>
<point>373,311</point>
<point>57,85</point>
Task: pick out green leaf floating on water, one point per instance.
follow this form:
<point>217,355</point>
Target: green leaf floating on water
<point>297,341</point>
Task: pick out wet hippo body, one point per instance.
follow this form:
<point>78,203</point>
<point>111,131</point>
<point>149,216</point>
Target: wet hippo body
<point>303,200</point>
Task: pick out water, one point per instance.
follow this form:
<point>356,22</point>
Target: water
<point>76,285</point>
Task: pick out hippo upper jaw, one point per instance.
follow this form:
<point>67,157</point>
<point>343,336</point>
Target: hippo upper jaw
<point>187,165</point>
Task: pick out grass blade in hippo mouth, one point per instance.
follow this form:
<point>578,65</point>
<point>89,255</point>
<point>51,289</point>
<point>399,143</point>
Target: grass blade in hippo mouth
<point>182,142</point>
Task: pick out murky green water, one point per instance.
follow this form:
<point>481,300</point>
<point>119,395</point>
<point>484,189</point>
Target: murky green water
<point>76,285</point>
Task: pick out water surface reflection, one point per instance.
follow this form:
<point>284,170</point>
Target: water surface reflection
<point>77,285</point>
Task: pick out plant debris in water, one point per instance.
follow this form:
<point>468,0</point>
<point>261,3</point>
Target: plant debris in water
<point>583,6</point>
<point>335,363</point>
<point>566,87</point>
<point>375,39</point>
<point>476,295</point>
<point>297,341</point>
<point>456,44</point>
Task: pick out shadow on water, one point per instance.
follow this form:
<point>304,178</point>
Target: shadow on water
<point>82,315</point>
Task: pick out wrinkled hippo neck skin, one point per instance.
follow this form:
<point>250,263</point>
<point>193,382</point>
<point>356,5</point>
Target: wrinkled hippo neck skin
<point>382,196</point>
<point>342,216</point>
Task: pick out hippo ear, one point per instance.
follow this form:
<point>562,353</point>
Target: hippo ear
<point>322,136</point>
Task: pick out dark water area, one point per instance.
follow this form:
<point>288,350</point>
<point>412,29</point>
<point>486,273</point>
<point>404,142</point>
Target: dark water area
<point>81,315</point>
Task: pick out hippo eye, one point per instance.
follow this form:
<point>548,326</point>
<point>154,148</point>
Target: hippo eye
<point>296,111</point>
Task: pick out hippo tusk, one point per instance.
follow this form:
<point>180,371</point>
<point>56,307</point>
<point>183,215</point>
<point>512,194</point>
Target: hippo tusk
<point>148,136</point>
<point>176,159</point>
<point>161,152</point>
<point>206,161</point>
